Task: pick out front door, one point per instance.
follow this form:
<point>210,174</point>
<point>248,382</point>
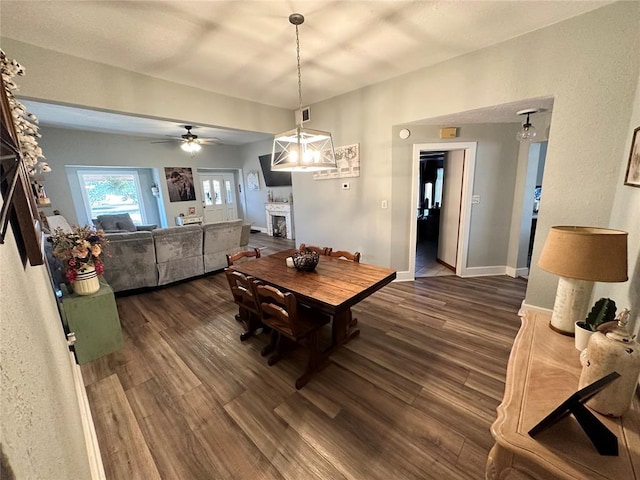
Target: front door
<point>218,198</point>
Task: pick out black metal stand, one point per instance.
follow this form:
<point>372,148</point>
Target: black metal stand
<point>602,438</point>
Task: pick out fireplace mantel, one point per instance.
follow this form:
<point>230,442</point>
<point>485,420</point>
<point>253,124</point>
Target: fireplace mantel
<point>280,209</point>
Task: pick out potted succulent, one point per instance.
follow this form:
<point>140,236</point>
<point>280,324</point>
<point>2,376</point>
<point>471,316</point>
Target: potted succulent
<point>604,310</point>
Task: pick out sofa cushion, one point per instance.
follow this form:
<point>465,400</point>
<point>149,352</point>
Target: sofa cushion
<point>220,239</point>
<point>244,236</point>
<point>130,261</point>
<point>178,253</point>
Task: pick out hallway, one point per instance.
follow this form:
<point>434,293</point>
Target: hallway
<point>426,263</point>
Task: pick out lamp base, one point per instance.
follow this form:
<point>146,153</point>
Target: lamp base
<point>571,304</point>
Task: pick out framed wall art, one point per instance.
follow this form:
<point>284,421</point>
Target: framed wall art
<point>180,184</point>
<point>348,163</point>
<point>253,181</point>
<point>632,177</point>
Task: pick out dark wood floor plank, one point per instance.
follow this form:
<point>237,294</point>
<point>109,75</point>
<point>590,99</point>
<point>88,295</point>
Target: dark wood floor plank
<point>296,460</point>
<point>165,363</point>
<point>258,421</point>
<point>332,440</point>
<point>233,454</point>
<point>412,398</point>
<point>400,387</point>
<point>122,444</point>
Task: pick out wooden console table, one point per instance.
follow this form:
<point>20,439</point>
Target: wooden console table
<point>543,371</point>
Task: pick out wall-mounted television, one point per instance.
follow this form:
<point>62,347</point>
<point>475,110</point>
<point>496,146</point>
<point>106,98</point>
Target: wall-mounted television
<point>273,179</point>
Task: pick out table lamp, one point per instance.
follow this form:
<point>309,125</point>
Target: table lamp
<point>581,256</point>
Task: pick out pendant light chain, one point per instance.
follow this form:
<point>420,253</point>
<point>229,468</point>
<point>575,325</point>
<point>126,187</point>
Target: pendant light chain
<point>299,75</point>
<point>302,149</point>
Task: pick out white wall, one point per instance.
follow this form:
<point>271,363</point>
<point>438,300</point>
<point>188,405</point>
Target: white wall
<point>625,215</point>
<point>41,433</point>
<point>61,78</point>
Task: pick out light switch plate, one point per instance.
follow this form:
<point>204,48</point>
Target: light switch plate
<point>475,199</point>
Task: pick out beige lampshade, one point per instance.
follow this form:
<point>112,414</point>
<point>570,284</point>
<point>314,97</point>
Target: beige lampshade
<point>586,253</point>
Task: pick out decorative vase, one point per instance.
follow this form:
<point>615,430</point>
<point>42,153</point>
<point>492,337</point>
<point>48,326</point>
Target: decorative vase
<point>614,350</point>
<point>582,337</point>
<point>86,282</point>
<point>306,261</point>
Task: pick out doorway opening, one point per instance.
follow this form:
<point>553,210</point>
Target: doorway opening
<point>439,231</point>
<point>531,205</point>
<point>430,193</point>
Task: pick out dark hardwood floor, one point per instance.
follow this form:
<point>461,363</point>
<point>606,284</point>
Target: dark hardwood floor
<point>413,397</point>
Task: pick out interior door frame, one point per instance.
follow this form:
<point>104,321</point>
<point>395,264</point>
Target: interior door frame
<point>468,175</point>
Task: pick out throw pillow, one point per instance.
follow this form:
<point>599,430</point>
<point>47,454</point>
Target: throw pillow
<point>108,222</point>
<point>146,228</point>
<point>125,223</point>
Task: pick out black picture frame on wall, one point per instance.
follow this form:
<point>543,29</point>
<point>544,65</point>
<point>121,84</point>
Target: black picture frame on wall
<point>19,204</point>
<point>632,177</point>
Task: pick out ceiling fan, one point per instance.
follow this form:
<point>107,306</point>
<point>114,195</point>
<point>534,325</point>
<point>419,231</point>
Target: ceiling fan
<point>191,142</point>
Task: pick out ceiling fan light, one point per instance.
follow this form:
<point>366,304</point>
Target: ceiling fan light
<point>190,147</point>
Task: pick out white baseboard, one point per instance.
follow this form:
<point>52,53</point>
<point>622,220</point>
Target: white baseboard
<point>483,271</point>
<point>404,276</point>
<point>517,272</point>
<point>90,437</point>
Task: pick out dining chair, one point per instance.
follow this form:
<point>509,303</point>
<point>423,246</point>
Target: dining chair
<point>318,250</point>
<point>292,321</point>
<point>243,291</point>
<point>354,257</point>
<point>231,259</point>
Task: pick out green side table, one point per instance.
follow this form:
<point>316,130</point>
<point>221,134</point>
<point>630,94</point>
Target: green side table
<point>94,321</point>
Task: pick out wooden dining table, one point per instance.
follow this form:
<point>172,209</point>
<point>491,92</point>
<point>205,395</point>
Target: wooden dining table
<point>333,287</point>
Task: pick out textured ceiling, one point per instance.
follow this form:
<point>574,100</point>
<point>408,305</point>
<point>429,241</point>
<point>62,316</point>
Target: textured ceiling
<point>246,49</point>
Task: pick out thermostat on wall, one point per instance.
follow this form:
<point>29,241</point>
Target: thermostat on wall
<point>404,133</point>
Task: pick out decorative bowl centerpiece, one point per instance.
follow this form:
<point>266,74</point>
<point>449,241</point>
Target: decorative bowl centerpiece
<point>306,260</point>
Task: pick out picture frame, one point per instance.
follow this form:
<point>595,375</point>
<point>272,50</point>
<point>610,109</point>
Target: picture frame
<point>180,184</point>
<point>191,211</point>
<point>347,162</point>
<point>253,181</point>
<point>19,204</point>
<point>632,176</point>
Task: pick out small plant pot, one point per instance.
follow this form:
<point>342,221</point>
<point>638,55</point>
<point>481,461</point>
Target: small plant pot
<point>582,337</point>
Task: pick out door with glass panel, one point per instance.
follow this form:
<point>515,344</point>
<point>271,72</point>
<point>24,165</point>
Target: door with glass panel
<point>218,197</point>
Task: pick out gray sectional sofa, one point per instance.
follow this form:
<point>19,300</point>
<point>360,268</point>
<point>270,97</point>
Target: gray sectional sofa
<point>165,255</point>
